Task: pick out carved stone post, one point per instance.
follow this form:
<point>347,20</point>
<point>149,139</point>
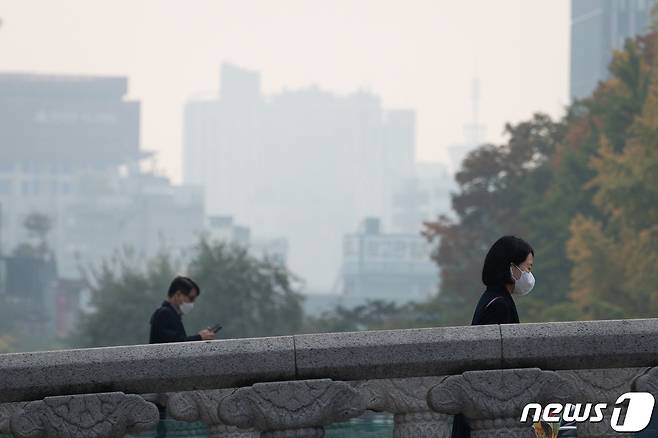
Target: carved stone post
<point>204,406</point>
<point>601,386</point>
<point>492,401</point>
<point>407,400</point>
<point>107,415</point>
<point>297,409</point>
<point>647,382</point>
<point>8,410</point>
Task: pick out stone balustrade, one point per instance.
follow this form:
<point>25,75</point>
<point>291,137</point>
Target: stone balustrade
<point>293,386</point>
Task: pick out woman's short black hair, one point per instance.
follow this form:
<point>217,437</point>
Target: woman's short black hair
<point>184,284</point>
<point>506,250</point>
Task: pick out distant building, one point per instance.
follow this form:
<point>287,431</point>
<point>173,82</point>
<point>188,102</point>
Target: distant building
<point>51,129</point>
<point>143,213</point>
<point>274,249</point>
<point>387,266</point>
<point>69,149</point>
<point>224,229</point>
<point>303,164</point>
<point>597,28</point>
<point>29,282</point>
<point>474,132</point>
<point>50,124</point>
<point>422,198</point>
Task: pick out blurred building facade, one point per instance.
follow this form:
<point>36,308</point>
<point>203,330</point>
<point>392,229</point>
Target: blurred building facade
<point>598,27</point>
<point>224,229</point>
<point>142,213</point>
<point>422,198</point>
<point>70,150</point>
<point>387,266</point>
<point>474,132</point>
<point>303,164</point>
<point>52,129</point>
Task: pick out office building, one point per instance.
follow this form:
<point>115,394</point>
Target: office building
<point>70,150</point>
<point>387,266</point>
<point>598,27</point>
<point>304,164</point>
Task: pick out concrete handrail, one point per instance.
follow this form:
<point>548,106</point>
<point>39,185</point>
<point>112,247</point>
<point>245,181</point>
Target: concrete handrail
<point>339,356</point>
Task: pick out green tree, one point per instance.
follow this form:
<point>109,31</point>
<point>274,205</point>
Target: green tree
<point>123,297</point>
<point>249,296</point>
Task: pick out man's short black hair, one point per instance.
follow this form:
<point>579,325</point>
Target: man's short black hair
<point>183,284</point>
<point>506,250</point>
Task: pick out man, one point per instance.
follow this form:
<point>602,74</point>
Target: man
<point>167,326</point>
<point>167,322</point>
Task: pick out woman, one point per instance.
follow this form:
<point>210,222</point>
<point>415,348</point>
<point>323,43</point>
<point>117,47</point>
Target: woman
<point>507,272</point>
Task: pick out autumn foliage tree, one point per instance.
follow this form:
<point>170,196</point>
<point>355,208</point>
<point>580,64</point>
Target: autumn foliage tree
<point>583,191</point>
<point>501,188</point>
<point>616,254</point>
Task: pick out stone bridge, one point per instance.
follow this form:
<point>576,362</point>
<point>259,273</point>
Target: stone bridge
<point>293,386</point>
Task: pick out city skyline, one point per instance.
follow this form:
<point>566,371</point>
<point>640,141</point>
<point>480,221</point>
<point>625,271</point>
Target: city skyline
<point>299,164</point>
<point>421,57</point>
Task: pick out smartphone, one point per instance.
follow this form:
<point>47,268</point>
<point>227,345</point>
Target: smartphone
<point>216,328</point>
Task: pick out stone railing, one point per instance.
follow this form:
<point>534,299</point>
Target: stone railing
<point>293,386</point>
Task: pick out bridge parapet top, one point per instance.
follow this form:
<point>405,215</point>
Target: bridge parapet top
<point>340,356</point>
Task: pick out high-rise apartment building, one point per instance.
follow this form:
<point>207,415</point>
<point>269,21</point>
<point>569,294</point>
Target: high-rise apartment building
<point>64,141</point>
<point>598,27</point>
<point>305,165</point>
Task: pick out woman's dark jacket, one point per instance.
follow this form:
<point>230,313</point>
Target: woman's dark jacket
<point>496,306</point>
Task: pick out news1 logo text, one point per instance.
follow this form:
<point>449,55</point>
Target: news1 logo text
<point>638,412</point>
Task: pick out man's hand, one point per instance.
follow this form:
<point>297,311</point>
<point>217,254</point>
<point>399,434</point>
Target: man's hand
<point>207,334</point>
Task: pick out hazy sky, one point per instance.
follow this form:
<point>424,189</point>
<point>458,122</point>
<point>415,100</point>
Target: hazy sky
<point>413,53</point>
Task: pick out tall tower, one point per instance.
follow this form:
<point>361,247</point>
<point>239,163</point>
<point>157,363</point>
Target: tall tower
<point>474,132</point>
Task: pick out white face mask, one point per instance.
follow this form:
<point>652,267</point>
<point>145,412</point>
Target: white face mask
<point>524,284</point>
<point>186,307</point>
